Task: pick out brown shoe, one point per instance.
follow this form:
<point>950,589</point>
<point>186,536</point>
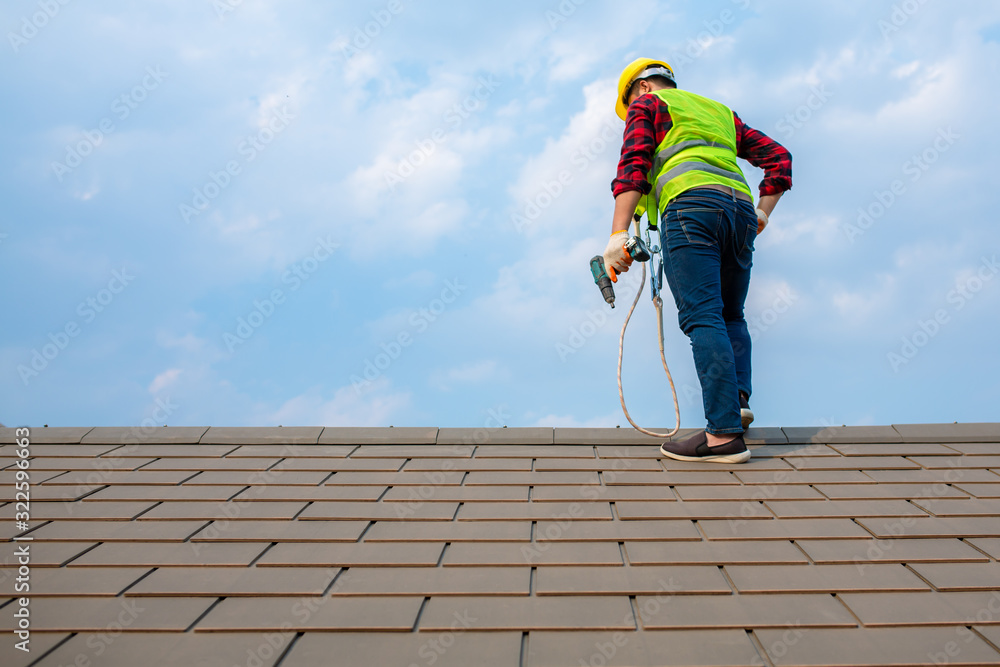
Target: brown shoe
<point>696,448</point>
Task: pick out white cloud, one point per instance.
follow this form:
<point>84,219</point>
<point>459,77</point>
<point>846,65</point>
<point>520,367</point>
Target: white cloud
<point>165,379</point>
<point>562,186</point>
<point>861,308</point>
<point>374,407</point>
<point>471,373</point>
<point>822,231</point>
<point>571,421</point>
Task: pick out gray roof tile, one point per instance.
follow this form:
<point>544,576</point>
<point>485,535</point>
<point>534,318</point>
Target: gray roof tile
<point>873,646</point>
<point>346,435</point>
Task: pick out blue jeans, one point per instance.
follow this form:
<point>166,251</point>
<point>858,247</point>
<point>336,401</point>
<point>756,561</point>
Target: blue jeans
<point>707,239</point>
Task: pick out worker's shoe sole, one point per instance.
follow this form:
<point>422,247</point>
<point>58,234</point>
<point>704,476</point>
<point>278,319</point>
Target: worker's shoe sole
<point>746,414</point>
<point>696,448</point>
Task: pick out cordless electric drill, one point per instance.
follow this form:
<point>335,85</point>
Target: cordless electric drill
<point>635,248</point>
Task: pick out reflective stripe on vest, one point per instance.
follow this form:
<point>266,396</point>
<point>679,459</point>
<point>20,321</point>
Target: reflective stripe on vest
<point>667,153</point>
<point>685,167</point>
<point>699,149</point>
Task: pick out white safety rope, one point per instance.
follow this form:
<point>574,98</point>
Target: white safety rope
<point>658,303</point>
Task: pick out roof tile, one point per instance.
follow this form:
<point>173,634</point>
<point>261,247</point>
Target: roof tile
<point>933,527</point>
<point>771,552</point>
<point>236,581</point>
<point>649,648</point>
<point>294,435</point>
<point>165,435</point>
<point>172,649</point>
<point>889,551</point>
<point>276,531</point>
<point>449,531</point>
<point>823,578</point>
<point>875,609</point>
<point>782,529</point>
<point>141,554</point>
<point>883,646</point>
<point>743,611</point>
<point>551,612</point>
<point>61,581</point>
<point>949,432</point>
<point>534,553</point>
<point>346,435</point>
<point>274,614</point>
<point>495,436</point>
<point>111,616</point>
<point>434,581</point>
<point>535,511</point>
<point>664,581</point>
<point>465,647</point>
<point>348,555</point>
<point>376,511</point>
<point>960,576</point>
<point>584,531</point>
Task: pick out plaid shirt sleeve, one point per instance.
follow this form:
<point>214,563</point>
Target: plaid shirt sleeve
<point>765,153</point>
<point>648,122</point>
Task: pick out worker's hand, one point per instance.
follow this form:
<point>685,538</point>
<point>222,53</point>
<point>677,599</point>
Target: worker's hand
<point>615,256</point>
<point>761,220</point>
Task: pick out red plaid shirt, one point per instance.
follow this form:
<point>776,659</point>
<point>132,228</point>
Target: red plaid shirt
<point>649,121</point>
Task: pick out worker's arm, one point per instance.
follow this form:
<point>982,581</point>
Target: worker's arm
<point>765,153</point>
<point>768,202</point>
<point>648,119</point>
<point>625,204</point>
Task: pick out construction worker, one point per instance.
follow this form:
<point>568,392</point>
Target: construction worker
<point>678,162</point>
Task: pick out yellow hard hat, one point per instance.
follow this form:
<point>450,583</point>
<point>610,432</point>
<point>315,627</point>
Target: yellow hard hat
<point>634,72</point>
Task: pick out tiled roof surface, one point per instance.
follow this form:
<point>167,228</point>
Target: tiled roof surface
<point>535,547</point>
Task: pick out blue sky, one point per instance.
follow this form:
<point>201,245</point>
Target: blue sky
<point>253,212</point>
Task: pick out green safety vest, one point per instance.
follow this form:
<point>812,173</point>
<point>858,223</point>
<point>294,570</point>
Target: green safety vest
<point>700,148</point>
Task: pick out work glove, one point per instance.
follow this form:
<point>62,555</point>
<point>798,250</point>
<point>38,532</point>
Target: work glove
<point>616,260</point>
<point>761,221</point>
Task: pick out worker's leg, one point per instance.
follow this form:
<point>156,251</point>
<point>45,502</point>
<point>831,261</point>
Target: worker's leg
<point>736,263</point>
<point>692,257</point>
